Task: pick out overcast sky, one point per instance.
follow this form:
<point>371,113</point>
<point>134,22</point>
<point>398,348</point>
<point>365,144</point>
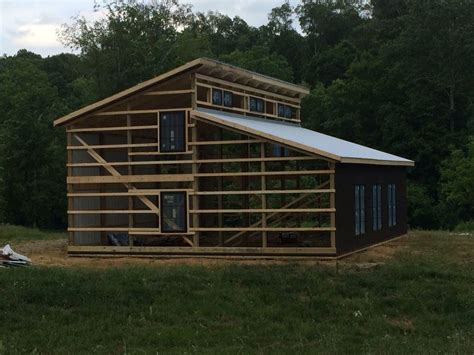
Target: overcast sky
<point>32,24</point>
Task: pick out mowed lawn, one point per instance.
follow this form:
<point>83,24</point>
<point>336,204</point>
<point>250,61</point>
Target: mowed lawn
<point>421,300</point>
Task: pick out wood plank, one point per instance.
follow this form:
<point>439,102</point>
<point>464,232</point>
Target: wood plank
<point>128,179</point>
<point>187,240</point>
<point>267,173</point>
<point>200,161</point>
<point>113,146</point>
<point>130,172</point>
<point>332,204</point>
<point>157,232</point>
<point>130,211</point>
<point>131,231</point>
<point>263,185</point>
<point>136,192</point>
<point>260,229</point>
<point>159,153</point>
<point>263,192</point>
<point>138,112</point>
<point>168,92</point>
<point>70,190</point>
<point>106,129</point>
<point>194,167</point>
<point>201,250</point>
<point>237,141</point>
<point>261,210</point>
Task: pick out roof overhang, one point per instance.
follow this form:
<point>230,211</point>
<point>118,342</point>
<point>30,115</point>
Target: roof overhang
<point>288,134</point>
<point>205,66</point>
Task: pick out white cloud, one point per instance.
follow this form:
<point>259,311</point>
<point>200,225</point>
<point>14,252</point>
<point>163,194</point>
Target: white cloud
<point>33,24</point>
<point>36,35</point>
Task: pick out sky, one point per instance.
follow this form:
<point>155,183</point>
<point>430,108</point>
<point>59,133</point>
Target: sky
<point>33,24</point>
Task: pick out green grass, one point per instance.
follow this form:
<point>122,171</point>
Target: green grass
<point>18,234</point>
<point>422,301</point>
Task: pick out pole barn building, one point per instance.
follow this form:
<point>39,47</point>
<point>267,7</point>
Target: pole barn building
<point>211,159</point>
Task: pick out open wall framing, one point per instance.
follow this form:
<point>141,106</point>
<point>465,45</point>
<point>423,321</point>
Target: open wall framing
<point>148,173</point>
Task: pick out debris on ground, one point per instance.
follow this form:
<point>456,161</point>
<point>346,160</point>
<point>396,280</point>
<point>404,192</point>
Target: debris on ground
<point>9,258</point>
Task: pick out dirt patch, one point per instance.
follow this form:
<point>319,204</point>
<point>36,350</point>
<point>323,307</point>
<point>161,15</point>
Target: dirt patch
<point>53,253</point>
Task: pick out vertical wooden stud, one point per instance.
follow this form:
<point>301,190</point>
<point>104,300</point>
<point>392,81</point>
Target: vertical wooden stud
<point>130,172</point>
<point>70,189</point>
<point>264,196</point>
<point>195,167</point>
<point>332,197</point>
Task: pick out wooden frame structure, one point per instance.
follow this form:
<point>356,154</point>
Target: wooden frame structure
<point>245,192</point>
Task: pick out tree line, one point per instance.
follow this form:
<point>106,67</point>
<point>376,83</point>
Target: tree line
<point>395,75</point>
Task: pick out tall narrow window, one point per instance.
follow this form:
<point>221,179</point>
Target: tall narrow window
<point>173,212</point>
<point>285,111</point>
<point>216,97</point>
<point>256,105</point>
<point>228,99</point>
<point>392,205</point>
<point>359,209</point>
<point>376,207</point>
<point>281,110</point>
<point>172,132</point>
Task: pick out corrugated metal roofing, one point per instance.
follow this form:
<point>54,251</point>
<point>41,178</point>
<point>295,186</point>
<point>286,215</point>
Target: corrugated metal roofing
<point>302,138</point>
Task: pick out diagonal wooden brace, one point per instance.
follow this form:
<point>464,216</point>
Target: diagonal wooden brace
<point>114,172</point>
<point>292,203</point>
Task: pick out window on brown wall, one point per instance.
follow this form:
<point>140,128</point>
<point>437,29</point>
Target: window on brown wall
<point>359,209</point>
<point>376,207</point>
<point>173,212</point>
<point>392,205</point>
<point>172,131</point>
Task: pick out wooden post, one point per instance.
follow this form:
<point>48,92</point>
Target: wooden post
<point>264,196</point>
<point>102,200</point>
<point>332,198</point>
<point>220,187</point>
<point>195,167</point>
<point>130,172</point>
<point>70,189</point>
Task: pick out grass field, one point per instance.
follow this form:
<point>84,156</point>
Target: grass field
<point>419,300</point>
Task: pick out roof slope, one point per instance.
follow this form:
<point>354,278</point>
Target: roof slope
<point>302,138</point>
<point>204,64</point>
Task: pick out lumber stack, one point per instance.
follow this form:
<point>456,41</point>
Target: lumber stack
<point>9,258</point>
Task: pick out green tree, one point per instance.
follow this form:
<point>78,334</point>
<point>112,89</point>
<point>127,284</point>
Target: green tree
<point>437,47</point>
<point>457,182</point>
<point>261,60</point>
<point>32,163</point>
<point>281,37</point>
<point>131,44</point>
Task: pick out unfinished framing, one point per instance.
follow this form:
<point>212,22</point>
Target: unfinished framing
<point>150,171</point>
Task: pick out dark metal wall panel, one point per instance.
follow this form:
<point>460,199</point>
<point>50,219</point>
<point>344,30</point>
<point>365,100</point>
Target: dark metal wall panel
<point>349,175</point>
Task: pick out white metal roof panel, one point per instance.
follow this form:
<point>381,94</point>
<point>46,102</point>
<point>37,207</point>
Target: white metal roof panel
<point>302,138</point>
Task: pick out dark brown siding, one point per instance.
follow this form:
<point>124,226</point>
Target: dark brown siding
<point>349,175</point>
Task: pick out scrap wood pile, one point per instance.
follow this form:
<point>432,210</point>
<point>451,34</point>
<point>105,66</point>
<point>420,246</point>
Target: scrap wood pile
<point>8,258</point>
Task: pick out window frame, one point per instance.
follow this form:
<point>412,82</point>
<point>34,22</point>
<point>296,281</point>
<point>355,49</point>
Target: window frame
<point>227,94</point>
<point>257,101</point>
<point>161,132</point>
<point>392,205</point>
<point>376,207</point>
<point>221,96</point>
<point>359,209</point>
<point>185,207</point>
